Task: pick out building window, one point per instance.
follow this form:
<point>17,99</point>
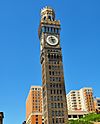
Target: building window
<point>61,98</point>
<point>51,98</point>
<point>50,78</point>
<point>53,120</point>
<point>54,98</point>
<point>58,105</point>
<point>74,116</point>
<point>52,113</point>
<point>51,105</point>
<point>57,91</point>
<point>52,72</point>
<point>55,30</point>
<point>59,78</point>
<point>49,67</point>
<point>49,72</point>
<point>36,119</point>
<point>54,91</point>
<point>63,120</point>
<point>60,91</point>
<point>56,120</point>
<point>61,105</point>
<point>55,105</point>
<point>57,97</point>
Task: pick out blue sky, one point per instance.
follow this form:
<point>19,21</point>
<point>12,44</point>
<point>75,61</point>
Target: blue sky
<point>20,49</point>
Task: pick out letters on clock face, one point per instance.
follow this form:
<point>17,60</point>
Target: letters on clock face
<point>52,40</point>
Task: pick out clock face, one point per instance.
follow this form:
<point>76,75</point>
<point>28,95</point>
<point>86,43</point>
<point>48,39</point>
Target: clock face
<point>52,40</point>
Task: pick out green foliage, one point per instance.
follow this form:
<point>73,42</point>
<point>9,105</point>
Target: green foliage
<point>88,119</point>
<point>79,122</point>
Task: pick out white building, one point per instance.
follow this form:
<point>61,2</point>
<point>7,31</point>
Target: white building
<point>80,100</point>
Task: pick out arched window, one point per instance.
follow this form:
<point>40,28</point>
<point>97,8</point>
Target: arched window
<point>53,18</point>
<point>49,17</point>
<point>44,17</point>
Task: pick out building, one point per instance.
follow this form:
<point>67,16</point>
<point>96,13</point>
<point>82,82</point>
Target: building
<point>74,100</point>
<point>34,106</point>
<point>97,105</point>
<point>54,94</point>
<point>73,115</point>
<point>81,100</point>
<point>1,117</point>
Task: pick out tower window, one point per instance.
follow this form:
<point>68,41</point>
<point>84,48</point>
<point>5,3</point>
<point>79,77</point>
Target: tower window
<point>50,85</point>
<point>55,105</point>
<point>54,91</point>
<point>55,30</point>
<point>60,91</point>
<point>58,98</point>
<point>56,85</point>
<point>58,105</point>
<point>43,29</point>
<point>49,17</point>
<point>54,56</point>
<point>59,79</point>
<point>53,120</point>
<point>51,105</point>
<point>52,30</point>
<point>44,17</point>
<point>56,120</point>
<point>52,72</point>
<point>48,55</point>
<point>52,113</point>
<point>61,105</point>
<point>49,72</point>
<point>54,98</point>
<point>49,67</point>
<point>48,29</point>
<point>51,98</point>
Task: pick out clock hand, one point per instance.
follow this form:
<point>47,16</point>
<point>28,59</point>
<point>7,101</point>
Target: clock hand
<point>53,40</point>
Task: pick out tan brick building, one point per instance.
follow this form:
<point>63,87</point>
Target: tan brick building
<point>97,105</point>
<point>34,106</point>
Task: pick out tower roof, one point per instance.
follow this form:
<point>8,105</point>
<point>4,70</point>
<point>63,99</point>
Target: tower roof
<point>47,8</point>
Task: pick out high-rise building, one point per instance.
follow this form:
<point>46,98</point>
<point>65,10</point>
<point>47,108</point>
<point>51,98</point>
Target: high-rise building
<point>97,104</point>
<point>81,100</point>
<point>53,85</point>
<point>74,100</point>
<point>1,117</point>
<point>34,106</point>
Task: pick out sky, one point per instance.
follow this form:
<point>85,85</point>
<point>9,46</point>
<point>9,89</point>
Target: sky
<point>20,66</point>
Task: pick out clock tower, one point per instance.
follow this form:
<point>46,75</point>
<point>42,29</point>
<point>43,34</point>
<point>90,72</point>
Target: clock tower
<point>54,94</point>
